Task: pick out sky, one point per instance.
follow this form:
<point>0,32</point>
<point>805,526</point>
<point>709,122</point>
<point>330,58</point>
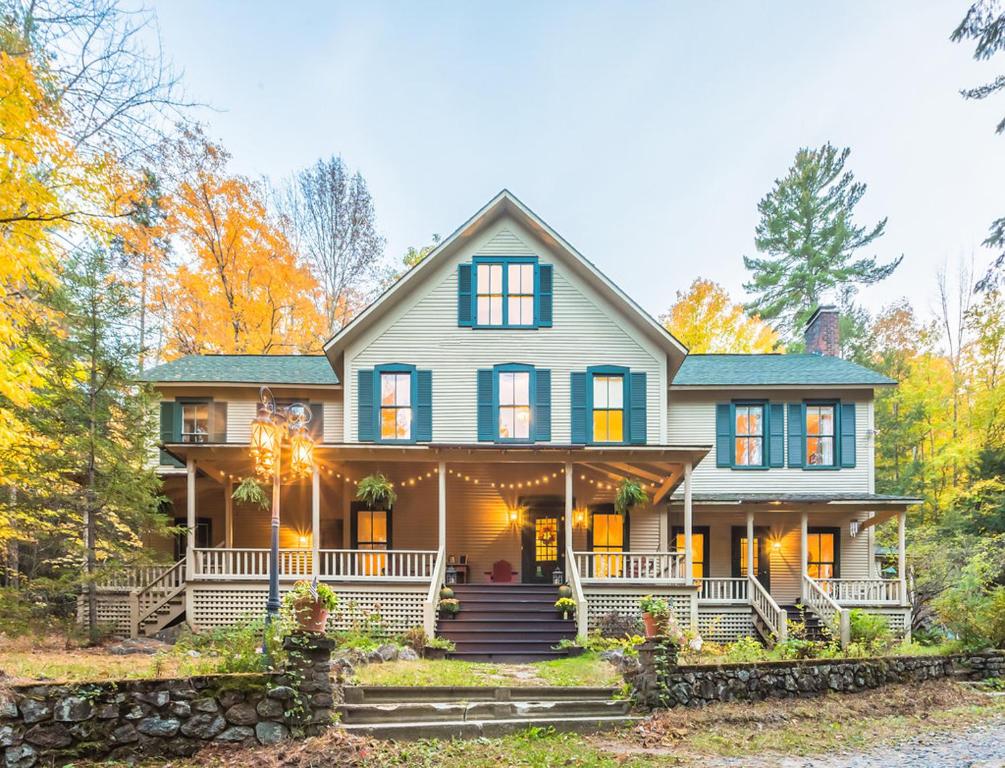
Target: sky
<point>644,133</point>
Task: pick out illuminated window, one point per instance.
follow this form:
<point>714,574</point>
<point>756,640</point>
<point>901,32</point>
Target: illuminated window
<point>546,539</point>
<point>699,549</point>
<point>514,405</point>
<point>608,536</point>
<point>504,293</point>
<point>822,554</point>
<point>395,406</point>
<point>749,431</point>
<point>490,294</point>
<point>608,408</point>
<point>195,422</point>
<point>371,536</point>
<point>820,435</point>
<point>743,556</point>
<point>520,294</point>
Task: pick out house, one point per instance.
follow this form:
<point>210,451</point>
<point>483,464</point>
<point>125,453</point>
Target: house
<point>507,386</point>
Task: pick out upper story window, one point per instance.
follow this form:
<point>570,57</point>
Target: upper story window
<point>608,408</point>
<point>195,422</point>
<point>504,292</point>
<point>514,405</point>
<point>395,406</point>
<point>820,436</point>
<point>748,443</point>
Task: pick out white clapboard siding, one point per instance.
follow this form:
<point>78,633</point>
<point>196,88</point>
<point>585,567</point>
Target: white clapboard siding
<point>423,331</point>
<point>692,421</point>
<point>333,428</point>
<point>240,414</point>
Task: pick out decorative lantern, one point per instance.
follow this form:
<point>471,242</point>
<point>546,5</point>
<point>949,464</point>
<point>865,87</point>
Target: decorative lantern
<point>301,453</point>
<point>265,437</point>
<point>557,577</point>
<point>451,575</point>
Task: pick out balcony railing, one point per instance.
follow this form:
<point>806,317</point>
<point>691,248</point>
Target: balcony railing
<point>863,591</point>
<point>626,567</point>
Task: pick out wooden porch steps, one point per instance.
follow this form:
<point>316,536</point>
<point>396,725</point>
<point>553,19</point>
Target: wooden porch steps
<point>438,712</point>
<point>815,629</point>
<point>507,623</point>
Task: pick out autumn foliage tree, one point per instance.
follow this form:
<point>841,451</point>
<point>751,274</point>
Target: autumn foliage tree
<point>238,286</point>
<point>706,320</point>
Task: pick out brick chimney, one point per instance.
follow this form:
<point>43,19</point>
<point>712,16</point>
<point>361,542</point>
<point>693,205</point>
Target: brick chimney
<point>821,334</point>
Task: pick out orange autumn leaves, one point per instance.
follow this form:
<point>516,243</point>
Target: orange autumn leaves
<point>706,320</point>
<point>233,283</point>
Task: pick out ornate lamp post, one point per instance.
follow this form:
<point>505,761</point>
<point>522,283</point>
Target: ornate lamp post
<point>270,428</point>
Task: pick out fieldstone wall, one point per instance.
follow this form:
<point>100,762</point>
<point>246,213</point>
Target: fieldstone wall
<point>657,682</point>
<point>54,724</point>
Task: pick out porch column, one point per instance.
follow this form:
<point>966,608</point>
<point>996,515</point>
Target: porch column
<point>228,514</point>
<point>803,549</point>
<point>902,554</point>
<point>568,518</point>
<point>750,543</point>
<point>190,510</point>
<point>688,545</point>
<point>316,522</point>
<point>441,529</point>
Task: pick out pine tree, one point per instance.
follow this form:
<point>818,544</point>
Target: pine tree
<point>99,421</point>
<point>809,239</point>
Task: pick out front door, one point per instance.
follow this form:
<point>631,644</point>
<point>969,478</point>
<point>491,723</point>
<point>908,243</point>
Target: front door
<point>542,542</point>
<point>762,561</point>
<point>203,535</point>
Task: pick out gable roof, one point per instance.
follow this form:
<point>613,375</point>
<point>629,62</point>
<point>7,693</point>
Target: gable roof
<point>765,370</point>
<point>502,204</point>
<point>313,370</point>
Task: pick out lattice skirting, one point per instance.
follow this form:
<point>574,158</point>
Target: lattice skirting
<point>113,612</point>
<point>600,603</point>
<point>724,624</point>
<point>899,619</point>
<point>395,610</point>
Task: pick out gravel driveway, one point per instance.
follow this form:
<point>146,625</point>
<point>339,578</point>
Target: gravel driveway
<point>982,746</point>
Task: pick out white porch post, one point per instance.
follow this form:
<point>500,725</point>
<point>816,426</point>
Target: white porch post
<point>688,545</point>
<point>316,522</point>
<point>803,549</point>
<point>190,511</point>
<point>228,514</point>
<point>441,529</point>
<point>902,554</point>
<point>568,519</point>
<point>750,543</point>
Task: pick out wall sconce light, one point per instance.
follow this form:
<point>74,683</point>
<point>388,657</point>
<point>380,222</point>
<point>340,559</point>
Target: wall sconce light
<point>579,518</point>
<point>303,541</point>
<point>776,545</point>
<point>514,516</point>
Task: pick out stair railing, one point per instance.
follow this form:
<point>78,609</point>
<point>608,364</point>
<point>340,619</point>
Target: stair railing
<point>824,606</point>
<point>433,596</point>
<point>147,600</point>
<point>582,615</point>
<point>773,616</point>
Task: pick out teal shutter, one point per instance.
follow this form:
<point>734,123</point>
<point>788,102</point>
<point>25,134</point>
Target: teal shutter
<point>637,408</point>
<point>542,406</point>
<point>776,435</point>
<point>847,425</point>
<point>797,436</point>
<point>723,435</point>
<point>465,297</point>
<point>578,402</point>
<point>545,289</point>
<point>170,431</point>
<point>487,430</point>
<point>423,429</point>
<point>365,415</point>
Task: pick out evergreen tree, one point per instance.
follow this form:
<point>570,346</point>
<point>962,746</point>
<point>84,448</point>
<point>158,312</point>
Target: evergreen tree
<point>809,239</point>
<point>101,488</point>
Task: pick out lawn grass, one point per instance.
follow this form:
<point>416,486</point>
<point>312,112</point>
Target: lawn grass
<point>586,670</point>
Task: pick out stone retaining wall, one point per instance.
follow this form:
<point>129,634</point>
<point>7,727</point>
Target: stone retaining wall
<point>657,682</point>
<point>56,723</point>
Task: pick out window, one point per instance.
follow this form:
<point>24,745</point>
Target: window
<point>820,436</point>
<point>490,294</point>
<point>520,294</point>
<point>395,406</point>
<point>514,405</point>
<point>608,536</point>
<point>699,548</point>
<point>546,539</point>
<point>505,293</point>
<point>743,556</point>
<point>608,408</point>
<point>195,422</point>
<point>748,443</point>
<point>822,546</point>
<point>371,536</point>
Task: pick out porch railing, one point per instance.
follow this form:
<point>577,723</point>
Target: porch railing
<point>723,591</point>
<point>630,566</point>
<point>365,565</point>
<point>245,563</point>
<point>576,582</point>
<point>124,578</point>
<point>824,606</point>
<point>862,591</point>
<point>774,617</point>
<point>146,601</point>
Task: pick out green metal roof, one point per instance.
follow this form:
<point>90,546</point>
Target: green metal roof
<point>245,369</point>
<point>774,370</point>
<point>795,498</point>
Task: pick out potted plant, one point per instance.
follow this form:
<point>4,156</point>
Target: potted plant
<point>565,591</point>
<point>249,491</point>
<point>629,494</point>
<point>449,607</point>
<point>376,491</point>
<point>446,593</point>
<point>438,648</point>
<point>655,615</point>
<point>565,606</point>
<point>310,605</point>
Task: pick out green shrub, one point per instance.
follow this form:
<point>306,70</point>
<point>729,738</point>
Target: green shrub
<point>870,631</point>
<point>654,606</point>
<point>239,646</point>
<point>746,649</point>
<point>444,643</point>
<point>973,609</point>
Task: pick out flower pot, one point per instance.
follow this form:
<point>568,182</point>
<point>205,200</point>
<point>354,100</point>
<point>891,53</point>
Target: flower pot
<point>654,625</point>
<point>565,615</point>
<point>434,653</point>
<point>447,614</point>
<point>576,650</point>
<point>311,614</point>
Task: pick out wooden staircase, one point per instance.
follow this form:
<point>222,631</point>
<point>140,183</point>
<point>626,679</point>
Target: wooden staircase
<point>159,603</point>
<point>815,628</point>
<point>506,623</point>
